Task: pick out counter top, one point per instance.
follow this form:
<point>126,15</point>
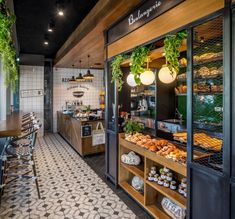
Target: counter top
<point>11,126</point>
<point>82,120</point>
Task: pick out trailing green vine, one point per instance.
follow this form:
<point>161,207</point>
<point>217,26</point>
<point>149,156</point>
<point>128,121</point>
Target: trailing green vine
<point>7,49</point>
<point>117,73</point>
<point>138,58</point>
<point>172,44</point>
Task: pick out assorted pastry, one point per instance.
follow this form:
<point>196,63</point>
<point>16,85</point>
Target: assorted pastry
<point>159,146</point>
<point>202,140</point>
<point>204,72</point>
<point>207,56</point>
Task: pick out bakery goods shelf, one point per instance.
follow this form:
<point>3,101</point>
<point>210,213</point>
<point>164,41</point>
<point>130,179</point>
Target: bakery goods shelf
<point>136,170</point>
<point>156,212</point>
<point>130,190</point>
<point>169,163</point>
<point>173,195</point>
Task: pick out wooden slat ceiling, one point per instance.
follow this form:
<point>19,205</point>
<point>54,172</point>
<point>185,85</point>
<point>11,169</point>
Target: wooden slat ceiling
<point>88,38</point>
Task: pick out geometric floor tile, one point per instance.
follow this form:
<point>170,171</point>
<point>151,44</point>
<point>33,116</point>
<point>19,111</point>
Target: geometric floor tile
<point>69,188</point>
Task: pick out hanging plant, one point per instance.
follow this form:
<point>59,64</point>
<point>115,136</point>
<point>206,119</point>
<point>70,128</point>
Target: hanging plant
<point>7,49</point>
<point>172,44</point>
<point>138,58</point>
<point>117,73</point>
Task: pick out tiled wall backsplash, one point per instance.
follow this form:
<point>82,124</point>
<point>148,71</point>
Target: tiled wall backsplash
<point>32,77</point>
<point>61,94</point>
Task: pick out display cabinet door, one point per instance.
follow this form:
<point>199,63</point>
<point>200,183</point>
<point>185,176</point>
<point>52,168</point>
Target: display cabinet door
<point>233,199</point>
<point>233,95</point>
<point>111,151</point>
<point>208,195</point>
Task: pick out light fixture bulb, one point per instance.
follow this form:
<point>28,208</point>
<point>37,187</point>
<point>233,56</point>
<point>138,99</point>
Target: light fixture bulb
<point>131,80</point>
<point>147,78</point>
<point>60,13</point>
<point>50,29</point>
<point>46,43</point>
<point>166,76</point>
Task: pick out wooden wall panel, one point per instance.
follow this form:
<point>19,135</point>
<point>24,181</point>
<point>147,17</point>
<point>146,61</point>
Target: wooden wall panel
<point>88,38</point>
<point>181,15</point>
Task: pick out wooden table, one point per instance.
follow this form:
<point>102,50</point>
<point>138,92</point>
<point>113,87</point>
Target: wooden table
<point>11,126</point>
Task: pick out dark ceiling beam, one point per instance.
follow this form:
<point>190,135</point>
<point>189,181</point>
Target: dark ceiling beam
<point>101,14</point>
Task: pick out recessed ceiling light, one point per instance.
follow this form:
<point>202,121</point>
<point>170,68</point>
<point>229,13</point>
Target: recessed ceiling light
<point>60,13</point>
<point>46,42</point>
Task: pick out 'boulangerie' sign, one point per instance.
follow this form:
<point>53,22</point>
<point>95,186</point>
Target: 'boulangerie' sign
<point>149,10</point>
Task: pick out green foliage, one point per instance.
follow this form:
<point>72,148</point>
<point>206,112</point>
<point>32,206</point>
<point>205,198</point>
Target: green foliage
<point>133,127</point>
<point>7,49</point>
<point>138,58</point>
<point>117,73</point>
<point>172,44</point>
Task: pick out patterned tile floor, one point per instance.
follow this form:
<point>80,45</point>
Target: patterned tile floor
<point>69,188</point>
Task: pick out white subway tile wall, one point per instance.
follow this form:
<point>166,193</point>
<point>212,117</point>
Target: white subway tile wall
<point>61,94</point>
<point>32,77</point>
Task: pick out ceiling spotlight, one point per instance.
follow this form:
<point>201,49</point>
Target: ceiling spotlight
<point>61,12</point>
<point>46,41</point>
<point>51,26</point>
<point>60,7</point>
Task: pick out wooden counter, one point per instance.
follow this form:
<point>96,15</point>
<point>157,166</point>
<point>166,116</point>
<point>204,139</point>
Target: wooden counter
<point>11,126</point>
<point>70,129</point>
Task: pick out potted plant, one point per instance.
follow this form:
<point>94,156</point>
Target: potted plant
<point>133,127</point>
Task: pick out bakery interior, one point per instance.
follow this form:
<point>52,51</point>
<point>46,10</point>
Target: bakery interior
<point>115,109</point>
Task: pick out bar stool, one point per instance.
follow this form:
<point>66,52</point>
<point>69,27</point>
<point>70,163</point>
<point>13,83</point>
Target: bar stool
<point>19,156</point>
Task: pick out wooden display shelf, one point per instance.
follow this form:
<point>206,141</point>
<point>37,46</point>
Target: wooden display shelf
<point>130,190</point>
<point>169,163</point>
<point>136,170</point>
<point>156,54</point>
<point>153,193</point>
<point>171,194</point>
<point>156,212</point>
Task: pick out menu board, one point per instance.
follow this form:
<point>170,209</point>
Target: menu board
<point>86,130</point>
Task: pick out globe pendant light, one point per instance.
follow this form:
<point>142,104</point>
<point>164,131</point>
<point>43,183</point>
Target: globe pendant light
<point>166,76</point>
<point>80,77</point>
<point>148,77</point>
<point>131,80</point>
<point>88,75</point>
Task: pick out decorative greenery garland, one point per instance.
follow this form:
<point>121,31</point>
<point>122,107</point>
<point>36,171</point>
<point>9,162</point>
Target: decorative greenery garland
<point>117,73</point>
<point>7,49</point>
<point>172,44</point>
<point>138,58</point>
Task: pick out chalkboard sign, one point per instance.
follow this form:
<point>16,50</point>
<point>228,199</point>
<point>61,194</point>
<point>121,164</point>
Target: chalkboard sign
<point>86,130</point>
<point>144,13</point>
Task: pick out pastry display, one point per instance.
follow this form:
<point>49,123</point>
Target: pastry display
<point>159,146</point>
<point>131,158</point>
<point>202,140</point>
